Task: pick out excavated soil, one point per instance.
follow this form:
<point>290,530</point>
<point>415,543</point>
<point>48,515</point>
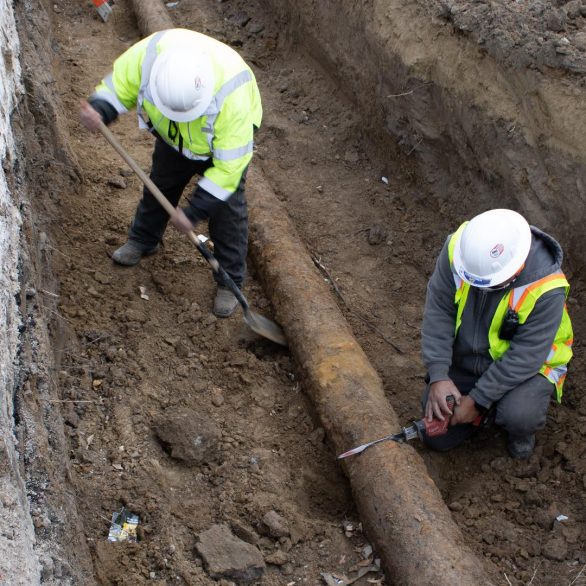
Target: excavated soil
<point>140,360</point>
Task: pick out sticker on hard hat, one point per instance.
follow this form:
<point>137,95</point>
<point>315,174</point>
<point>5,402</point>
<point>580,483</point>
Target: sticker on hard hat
<point>474,280</point>
<point>497,250</point>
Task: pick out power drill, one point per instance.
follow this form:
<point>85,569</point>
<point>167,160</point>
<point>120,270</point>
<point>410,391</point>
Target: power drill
<point>421,429</point>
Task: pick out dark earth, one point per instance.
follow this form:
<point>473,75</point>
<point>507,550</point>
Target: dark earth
<point>141,365</point>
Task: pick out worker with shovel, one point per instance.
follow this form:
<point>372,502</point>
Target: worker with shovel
<point>200,100</point>
<point>496,331</point>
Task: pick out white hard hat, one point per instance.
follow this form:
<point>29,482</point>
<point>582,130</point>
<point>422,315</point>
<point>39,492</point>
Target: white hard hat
<point>182,83</point>
<point>492,248</point>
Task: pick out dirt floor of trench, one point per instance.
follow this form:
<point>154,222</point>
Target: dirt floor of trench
<point>131,367</point>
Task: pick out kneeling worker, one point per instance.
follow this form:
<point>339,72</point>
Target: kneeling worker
<point>496,332</point>
<point>201,102</point>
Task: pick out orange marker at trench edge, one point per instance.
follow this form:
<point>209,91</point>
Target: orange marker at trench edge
<point>103,7</point>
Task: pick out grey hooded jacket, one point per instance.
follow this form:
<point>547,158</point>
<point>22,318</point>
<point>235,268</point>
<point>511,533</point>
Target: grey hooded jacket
<point>469,351</point>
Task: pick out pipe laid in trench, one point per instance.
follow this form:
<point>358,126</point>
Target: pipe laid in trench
<point>400,506</point>
<point>151,16</point>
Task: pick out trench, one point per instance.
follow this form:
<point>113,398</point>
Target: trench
<point>127,364</point>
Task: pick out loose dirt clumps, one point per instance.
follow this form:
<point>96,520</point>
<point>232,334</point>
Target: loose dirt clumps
<point>373,188</point>
<point>538,35</point>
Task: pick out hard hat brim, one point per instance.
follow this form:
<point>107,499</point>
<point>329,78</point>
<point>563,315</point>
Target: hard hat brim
<point>494,279</point>
<point>176,115</point>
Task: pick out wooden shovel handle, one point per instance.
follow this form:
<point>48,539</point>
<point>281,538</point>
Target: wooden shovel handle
<point>147,181</point>
<point>217,268</point>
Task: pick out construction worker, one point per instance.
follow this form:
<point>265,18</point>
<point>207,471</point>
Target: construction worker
<point>201,102</point>
<point>496,332</point>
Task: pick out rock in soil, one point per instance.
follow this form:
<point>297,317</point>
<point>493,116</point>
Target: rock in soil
<point>555,549</point>
<point>274,525</point>
<point>188,436</point>
<point>226,556</point>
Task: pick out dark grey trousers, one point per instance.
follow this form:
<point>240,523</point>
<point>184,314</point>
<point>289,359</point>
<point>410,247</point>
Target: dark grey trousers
<point>171,172</point>
<point>521,411</point>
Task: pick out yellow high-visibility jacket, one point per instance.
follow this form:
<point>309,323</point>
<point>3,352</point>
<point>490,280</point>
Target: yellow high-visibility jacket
<point>522,300</point>
<point>224,132</point>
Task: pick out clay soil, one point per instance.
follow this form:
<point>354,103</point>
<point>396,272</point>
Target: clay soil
<point>138,350</point>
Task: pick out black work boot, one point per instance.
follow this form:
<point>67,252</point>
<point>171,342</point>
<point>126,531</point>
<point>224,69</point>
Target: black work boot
<point>130,253</point>
<point>225,302</point>
<point>521,446</point>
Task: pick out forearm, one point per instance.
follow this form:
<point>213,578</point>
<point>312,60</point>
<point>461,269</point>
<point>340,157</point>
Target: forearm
<point>201,206</point>
<point>219,183</point>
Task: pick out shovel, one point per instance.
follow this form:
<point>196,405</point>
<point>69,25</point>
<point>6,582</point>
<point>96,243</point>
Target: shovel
<point>258,323</point>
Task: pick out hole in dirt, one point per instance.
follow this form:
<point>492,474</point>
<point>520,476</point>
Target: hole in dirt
<point>264,349</point>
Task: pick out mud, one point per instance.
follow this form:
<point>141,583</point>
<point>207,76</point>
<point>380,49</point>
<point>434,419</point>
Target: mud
<point>114,365</point>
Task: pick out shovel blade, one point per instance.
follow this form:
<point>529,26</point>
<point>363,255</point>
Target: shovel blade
<point>265,327</point>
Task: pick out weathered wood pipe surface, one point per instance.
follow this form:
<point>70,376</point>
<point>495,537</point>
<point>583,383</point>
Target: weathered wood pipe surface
<point>400,506</point>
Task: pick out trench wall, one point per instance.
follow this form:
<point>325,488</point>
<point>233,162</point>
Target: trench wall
<point>38,513</point>
<point>485,134</point>
<point>18,563</point>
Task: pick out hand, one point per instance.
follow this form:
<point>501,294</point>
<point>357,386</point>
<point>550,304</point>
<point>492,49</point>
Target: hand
<point>465,412</point>
<point>182,222</point>
<point>90,118</point>
<point>436,405</point>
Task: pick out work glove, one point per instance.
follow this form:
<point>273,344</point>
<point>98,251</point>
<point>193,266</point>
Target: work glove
<point>91,116</point>
<point>104,109</point>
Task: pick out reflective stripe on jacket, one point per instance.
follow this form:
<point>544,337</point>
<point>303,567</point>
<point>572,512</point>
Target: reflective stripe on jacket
<point>224,132</point>
<point>522,300</point>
